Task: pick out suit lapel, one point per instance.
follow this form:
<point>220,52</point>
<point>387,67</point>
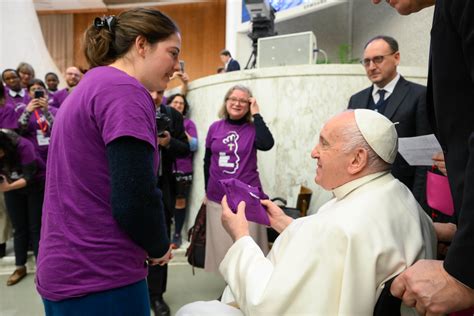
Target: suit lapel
<point>399,93</point>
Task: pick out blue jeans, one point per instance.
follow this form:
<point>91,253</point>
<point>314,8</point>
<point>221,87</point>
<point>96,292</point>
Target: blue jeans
<point>128,300</point>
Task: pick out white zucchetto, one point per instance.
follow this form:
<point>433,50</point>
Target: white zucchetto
<point>379,132</point>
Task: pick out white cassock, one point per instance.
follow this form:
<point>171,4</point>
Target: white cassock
<point>331,263</point>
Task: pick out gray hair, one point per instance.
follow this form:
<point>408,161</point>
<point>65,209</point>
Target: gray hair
<point>352,138</point>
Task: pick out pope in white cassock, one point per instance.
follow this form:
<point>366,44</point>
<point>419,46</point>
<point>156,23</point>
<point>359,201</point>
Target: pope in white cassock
<point>336,261</point>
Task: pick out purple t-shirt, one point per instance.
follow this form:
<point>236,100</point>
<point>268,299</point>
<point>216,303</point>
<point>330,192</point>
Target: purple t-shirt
<point>234,155</point>
<point>38,131</point>
<point>60,96</point>
<point>8,116</point>
<point>27,155</point>
<point>82,248</point>
<point>185,165</point>
<point>53,101</point>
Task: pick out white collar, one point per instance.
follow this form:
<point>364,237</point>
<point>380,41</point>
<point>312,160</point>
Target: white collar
<point>341,191</point>
<point>389,87</point>
<point>13,94</point>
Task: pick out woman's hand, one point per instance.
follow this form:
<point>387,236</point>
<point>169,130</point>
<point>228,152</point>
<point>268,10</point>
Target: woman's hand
<point>254,109</point>
<point>163,260</point>
<point>43,104</point>
<point>33,105</point>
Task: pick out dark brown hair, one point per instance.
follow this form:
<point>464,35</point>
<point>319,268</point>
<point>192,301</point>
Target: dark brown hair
<point>110,38</point>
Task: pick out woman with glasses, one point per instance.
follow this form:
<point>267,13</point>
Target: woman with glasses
<point>183,167</point>
<point>231,152</point>
<point>36,121</point>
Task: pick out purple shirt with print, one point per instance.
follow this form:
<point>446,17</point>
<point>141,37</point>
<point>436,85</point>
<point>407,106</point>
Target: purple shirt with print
<point>82,248</point>
<point>185,165</point>
<point>233,156</point>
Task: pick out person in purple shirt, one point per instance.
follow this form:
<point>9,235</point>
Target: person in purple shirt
<point>26,73</point>
<point>73,76</point>
<point>52,81</point>
<point>103,220</point>
<point>8,116</point>
<point>16,96</point>
<point>231,152</point>
<point>37,119</point>
<point>22,181</point>
<point>183,168</point>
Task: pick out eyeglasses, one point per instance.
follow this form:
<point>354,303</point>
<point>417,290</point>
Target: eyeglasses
<point>240,101</point>
<point>376,60</point>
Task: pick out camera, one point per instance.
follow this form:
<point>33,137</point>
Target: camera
<point>39,94</point>
<point>163,123</point>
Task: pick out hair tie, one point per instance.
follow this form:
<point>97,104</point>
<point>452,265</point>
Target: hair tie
<point>105,21</point>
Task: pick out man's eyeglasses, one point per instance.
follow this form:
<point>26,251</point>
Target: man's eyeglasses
<point>376,60</point>
<point>240,101</point>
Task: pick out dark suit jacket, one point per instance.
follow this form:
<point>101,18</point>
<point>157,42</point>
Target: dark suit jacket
<point>407,106</point>
<point>451,96</point>
<point>233,65</point>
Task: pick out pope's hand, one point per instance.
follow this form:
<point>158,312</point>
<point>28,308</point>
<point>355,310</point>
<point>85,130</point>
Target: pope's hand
<point>236,225</point>
<point>278,219</point>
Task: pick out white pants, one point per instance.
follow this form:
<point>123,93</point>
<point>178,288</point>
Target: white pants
<point>208,308</point>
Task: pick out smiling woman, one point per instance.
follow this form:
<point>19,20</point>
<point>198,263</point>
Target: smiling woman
<point>103,217</point>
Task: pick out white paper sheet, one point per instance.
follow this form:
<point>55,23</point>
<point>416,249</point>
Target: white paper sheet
<point>418,150</point>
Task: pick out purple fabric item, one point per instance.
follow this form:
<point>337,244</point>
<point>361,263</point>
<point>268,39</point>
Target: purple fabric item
<point>60,96</point>
<point>234,156</point>
<point>82,248</point>
<point>237,191</point>
<point>33,129</point>
<point>27,154</point>
<point>185,165</point>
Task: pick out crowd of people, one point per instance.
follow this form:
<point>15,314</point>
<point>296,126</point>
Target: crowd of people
<point>102,246</point>
<point>27,111</point>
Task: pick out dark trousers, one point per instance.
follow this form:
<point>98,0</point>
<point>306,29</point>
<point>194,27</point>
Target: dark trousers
<point>158,275</point>
<point>127,300</point>
<point>24,206</point>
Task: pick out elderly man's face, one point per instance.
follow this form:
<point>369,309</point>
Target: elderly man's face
<point>332,160</point>
<point>383,62</point>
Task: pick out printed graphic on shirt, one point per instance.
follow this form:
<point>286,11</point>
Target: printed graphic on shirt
<point>229,159</point>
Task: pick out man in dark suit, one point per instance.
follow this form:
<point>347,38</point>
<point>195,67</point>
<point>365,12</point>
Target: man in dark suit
<point>433,286</point>
<point>401,101</point>
<point>173,143</point>
<point>230,64</point>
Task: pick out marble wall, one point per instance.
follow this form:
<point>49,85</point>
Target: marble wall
<point>295,102</point>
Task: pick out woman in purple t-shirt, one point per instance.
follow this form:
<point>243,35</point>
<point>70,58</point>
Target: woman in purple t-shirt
<point>37,119</point>
<point>231,152</point>
<point>103,219</point>
<point>183,168</point>
<point>22,181</point>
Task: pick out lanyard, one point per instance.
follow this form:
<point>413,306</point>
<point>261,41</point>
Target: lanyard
<point>42,124</point>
